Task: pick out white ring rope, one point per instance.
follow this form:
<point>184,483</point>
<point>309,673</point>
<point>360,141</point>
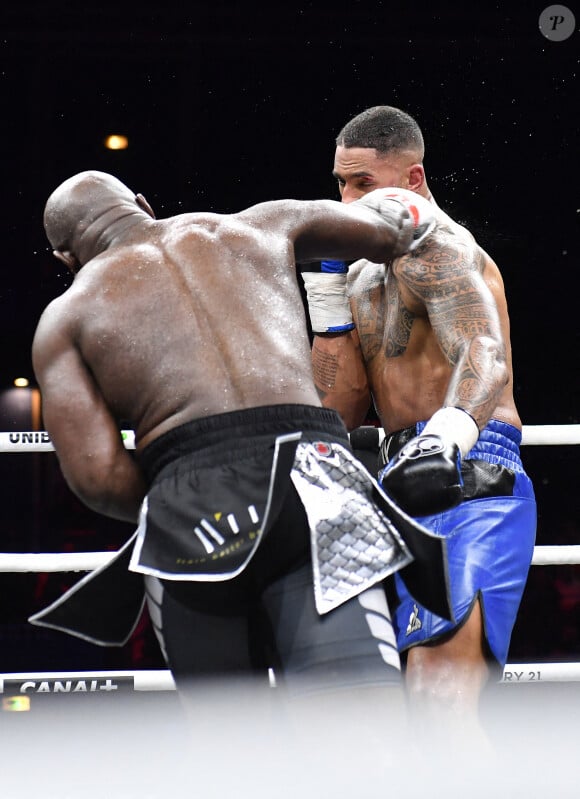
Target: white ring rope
<point>161,680</point>
<point>532,435</point>
<point>75,682</point>
<point>558,555</point>
<point>82,682</point>
<point>53,561</point>
<point>550,434</point>
<point>39,441</point>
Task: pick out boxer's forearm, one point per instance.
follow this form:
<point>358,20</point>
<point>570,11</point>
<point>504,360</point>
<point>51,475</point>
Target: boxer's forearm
<point>340,376</point>
<point>113,489</point>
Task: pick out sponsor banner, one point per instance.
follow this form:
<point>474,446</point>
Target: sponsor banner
<point>69,685</point>
<point>39,441</point>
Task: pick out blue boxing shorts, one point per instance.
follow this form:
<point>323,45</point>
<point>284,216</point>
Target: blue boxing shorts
<point>490,542</point>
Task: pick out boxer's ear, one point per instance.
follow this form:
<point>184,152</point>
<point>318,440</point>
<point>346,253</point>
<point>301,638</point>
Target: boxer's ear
<point>416,177</point>
<point>68,259</point>
<point>144,205</point>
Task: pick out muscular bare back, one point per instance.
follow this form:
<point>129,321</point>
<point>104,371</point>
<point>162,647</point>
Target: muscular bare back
<point>415,318</point>
<point>201,316</point>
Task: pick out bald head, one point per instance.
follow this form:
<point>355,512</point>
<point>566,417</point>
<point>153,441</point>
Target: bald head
<point>86,199</point>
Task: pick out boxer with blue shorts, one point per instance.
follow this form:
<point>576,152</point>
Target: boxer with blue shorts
<point>490,542</point>
<point>430,340</point>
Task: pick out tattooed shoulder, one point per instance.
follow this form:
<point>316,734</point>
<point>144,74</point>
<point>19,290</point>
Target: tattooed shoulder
<point>441,260</point>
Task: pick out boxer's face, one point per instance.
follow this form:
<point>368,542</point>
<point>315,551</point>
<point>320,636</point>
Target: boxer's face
<point>359,170</point>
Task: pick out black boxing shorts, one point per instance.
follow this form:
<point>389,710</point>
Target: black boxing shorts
<point>219,489</point>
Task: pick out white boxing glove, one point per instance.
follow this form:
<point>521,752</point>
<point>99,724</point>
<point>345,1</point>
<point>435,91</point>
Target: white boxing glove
<point>420,209</point>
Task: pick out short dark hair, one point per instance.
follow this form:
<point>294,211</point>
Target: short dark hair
<point>384,129</point>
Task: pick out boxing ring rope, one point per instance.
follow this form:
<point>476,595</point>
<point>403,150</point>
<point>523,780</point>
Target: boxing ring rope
<point>161,680</point>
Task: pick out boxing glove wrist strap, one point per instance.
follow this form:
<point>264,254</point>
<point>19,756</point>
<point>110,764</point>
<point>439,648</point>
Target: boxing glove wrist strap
<point>454,424</point>
<point>328,305</point>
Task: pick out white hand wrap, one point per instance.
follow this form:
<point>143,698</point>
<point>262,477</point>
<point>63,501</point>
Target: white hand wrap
<point>454,424</point>
<point>328,304</point>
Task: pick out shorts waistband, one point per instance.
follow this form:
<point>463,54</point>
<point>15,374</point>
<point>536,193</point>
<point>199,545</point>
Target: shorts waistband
<point>249,423</point>
<point>498,442</point>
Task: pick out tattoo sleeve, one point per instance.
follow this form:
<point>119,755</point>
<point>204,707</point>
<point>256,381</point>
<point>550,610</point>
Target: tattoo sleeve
<point>447,279</point>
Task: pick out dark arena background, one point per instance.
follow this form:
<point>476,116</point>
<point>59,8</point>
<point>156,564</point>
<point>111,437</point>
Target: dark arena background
<point>226,104</point>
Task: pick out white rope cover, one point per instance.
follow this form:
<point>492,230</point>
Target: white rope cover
<point>53,561</point>
<point>87,681</point>
<point>84,682</point>
<point>558,555</point>
<point>532,435</point>
<point>550,434</point>
<point>39,441</point>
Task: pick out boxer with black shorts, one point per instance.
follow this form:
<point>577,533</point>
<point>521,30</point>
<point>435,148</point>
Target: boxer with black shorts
<point>259,533</point>
<point>428,342</point>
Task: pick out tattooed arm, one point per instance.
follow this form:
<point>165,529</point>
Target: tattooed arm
<point>444,279</point>
<point>340,376</point>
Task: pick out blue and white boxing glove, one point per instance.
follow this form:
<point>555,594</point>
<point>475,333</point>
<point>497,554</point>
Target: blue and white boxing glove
<point>328,304</point>
<point>421,212</point>
<point>424,477</point>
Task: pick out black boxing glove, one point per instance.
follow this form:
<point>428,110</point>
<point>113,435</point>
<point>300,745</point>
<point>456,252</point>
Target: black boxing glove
<point>424,477</point>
